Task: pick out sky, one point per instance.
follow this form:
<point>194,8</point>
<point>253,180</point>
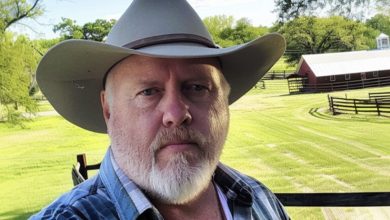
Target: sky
<point>259,12</point>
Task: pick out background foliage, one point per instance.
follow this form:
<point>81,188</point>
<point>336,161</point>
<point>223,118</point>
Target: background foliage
<point>17,73</point>
<point>97,30</point>
<point>17,61</point>
<point>12,11</point>
<point>380,22</point>
<point>312,35</point>
<point>352,9</point>
<point>226,31</point>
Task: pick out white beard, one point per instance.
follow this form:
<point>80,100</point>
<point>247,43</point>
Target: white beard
<point>179,181</point>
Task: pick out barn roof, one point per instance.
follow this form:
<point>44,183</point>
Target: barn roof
<point>347,62</point>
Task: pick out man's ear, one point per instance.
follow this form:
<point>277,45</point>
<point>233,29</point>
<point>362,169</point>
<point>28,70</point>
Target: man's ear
<point>105,106</point>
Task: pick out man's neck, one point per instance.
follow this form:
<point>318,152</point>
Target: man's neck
<point>205,206</point>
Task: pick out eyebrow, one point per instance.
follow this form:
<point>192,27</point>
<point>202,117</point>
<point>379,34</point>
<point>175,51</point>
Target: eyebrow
<point>146,82</point>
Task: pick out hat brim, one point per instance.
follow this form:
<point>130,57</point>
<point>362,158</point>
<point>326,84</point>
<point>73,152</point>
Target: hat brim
<point>71,73</point>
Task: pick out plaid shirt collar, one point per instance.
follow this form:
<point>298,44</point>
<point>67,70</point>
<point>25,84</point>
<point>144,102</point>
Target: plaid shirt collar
<point>129,200</point>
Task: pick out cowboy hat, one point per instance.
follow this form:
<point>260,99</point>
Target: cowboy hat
<point>71,73</point>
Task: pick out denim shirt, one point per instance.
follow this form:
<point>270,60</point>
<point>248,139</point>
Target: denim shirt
<point>111,195</point>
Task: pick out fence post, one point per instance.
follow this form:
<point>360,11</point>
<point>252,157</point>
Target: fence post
<point>354,104</point>
<point>81,158</point>
<point>330,100</point>
<point>377,107</point>
<point>288,85</point>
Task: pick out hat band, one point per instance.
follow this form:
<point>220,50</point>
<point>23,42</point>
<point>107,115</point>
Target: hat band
<point>170,38</point>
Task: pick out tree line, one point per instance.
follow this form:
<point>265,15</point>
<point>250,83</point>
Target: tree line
<point>342,27</point>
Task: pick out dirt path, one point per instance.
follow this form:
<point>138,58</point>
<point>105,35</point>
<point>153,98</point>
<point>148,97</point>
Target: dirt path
<point>40,114</point>
<point>47,113</point>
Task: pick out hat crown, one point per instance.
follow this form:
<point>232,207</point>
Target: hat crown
<point>148,22</point>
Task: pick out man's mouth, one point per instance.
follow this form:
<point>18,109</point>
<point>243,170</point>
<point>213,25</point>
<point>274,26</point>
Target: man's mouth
<point>178,146</point>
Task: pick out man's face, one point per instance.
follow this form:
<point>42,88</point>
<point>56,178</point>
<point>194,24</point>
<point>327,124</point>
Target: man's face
<point>167,120</point>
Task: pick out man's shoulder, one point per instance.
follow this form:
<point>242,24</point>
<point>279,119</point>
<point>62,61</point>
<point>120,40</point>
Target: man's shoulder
<point>88,200</point>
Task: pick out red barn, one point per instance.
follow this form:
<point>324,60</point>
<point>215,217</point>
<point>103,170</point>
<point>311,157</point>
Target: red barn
<point>339,71</point>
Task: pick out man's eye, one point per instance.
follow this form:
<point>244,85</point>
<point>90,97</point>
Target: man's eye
<point>196,88</point>
<point>196,92</point>
<point>148,92</point>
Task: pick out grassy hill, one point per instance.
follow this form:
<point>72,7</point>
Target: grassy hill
<point>289,142</point>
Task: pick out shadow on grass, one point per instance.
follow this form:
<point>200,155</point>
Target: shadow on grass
<point>349,117</point>
<point>293,94</point>
<point>17,214</point>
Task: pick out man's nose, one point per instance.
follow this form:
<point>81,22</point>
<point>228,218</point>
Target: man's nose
<point>175,110</point>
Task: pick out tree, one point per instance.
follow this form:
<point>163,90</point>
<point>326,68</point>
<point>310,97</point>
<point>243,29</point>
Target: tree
<point>290,9</point>
<point>17,65</point>
<point>380,22</point>
<point>18,60</point>
<point>96,30</point>
<point>241,33</point>
<point>383,6</point>
<point>353,9</point>
<point>226,32</point>
<point>68,29</point>
<point>12,11</point>
<point>215,25</point>
<point>311,35</point>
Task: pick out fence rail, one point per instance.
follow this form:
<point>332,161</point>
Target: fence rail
<point>301,85</point>
<point>354,199</point>
<point>276,74</point>
<point>382,96</point>
<point>344,105</point>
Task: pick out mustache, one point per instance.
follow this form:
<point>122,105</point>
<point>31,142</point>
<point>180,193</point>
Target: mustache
<point>167,136</point>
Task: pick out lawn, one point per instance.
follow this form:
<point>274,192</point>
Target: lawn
<point>289,142</point>
<point>282,65</point>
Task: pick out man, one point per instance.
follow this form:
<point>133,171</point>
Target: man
<point>161,89</point>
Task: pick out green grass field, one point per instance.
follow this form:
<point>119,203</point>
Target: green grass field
<point>289,142</point>
<point>282,65</point>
